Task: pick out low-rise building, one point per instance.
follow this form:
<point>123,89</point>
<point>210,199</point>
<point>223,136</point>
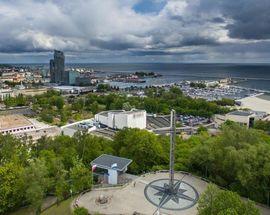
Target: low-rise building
<point>5,93</point>
<point>246,118</point>
<point>13,124</point>
<point>20,126</point>
<point>36,134</point>
<point>119,119</point>
<point>242,117</point>
<point>72,89</point>
<point>260,102</point>
<point>114,168</point>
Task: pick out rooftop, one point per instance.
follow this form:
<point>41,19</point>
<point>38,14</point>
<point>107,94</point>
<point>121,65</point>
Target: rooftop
<point>105,113</point>
<point>240,113</point>
<point>259,102</point>
<point>133,111</point>
<point>13,121</point>
<point>111,162</point>
<point>265,96</point>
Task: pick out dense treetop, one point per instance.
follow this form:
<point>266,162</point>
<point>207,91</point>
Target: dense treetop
<point>54,108</point>
<point>220,202</point>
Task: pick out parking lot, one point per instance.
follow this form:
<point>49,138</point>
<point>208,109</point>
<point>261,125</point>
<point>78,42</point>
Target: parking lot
<point>189,120</point>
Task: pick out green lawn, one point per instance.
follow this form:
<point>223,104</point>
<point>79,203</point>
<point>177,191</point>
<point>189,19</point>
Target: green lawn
<point>62,209</point>
<point>23,211</point>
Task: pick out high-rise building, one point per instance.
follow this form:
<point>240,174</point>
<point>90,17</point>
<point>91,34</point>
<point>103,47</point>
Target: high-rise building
<point>52,73</point>
<point>73,75</point>
<point>57,69</point>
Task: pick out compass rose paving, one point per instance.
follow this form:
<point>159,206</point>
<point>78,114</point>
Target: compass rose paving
<point>147,194</point>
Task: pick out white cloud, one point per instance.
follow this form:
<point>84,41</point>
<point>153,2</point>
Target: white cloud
<point>90,25</point>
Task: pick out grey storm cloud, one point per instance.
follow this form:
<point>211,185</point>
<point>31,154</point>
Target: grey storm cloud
<point>181,27</point>
<point>164,53</point>
<point>248,19</point>
<point>197,41</point>
<point>251,19</point>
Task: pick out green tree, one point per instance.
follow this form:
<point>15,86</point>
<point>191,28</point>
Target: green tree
<point>80,211</point>
<point>80,177</point>
<point>11,186</point>
<point>78,105</point>
<point>61,187</point>
<point>59,102</point>
<point>142,147</point>
<point>236,159</point>
<point>103,87</point>
<point>94,107</point>
<point>216,202</point>
<point>226,102</point>
<point>56,173</point>
<point>90,147</point>
<point>127,106</point>
<point>13,149</point>
<point>36,184</point>
<point>201,129</point>
<point>262,125</point>
<point>46,116</point>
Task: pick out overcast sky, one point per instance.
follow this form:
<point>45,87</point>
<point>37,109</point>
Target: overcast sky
<point>135,30</point>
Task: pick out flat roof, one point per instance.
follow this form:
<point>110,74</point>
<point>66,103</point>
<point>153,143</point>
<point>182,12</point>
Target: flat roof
<point>105,161</point>
<point>257,103</point>
<point>13,121</point>
<point>240,113</point>
<point>63,87</point>
<point>265,96</point>
<point>105,113</point>
<point>133,111</point>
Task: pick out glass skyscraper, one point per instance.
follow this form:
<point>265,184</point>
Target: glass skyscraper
<point>57,69</point>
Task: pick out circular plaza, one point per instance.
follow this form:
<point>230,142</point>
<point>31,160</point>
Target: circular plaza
<point>147,194</point>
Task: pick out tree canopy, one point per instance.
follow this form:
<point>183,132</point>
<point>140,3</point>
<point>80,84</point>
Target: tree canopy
<point>237,159</point>
<point>220,202</point>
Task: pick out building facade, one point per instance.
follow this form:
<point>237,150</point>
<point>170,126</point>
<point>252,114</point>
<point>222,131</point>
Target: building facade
<point>120,119</point>
<point>73,75</point>
<point>112,168</point>
<point>13,124</point>
<point>57,69</point>
<point>245,118</point>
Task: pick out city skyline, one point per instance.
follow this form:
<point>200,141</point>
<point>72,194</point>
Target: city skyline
<point>92,31</point>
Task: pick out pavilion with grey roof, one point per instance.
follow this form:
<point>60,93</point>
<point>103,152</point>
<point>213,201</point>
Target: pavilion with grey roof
<point>114,165</point>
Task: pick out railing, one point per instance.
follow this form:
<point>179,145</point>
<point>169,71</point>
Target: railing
<point>108,186</point>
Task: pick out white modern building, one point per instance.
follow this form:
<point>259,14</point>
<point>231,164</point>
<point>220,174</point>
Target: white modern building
<point>119,119</point>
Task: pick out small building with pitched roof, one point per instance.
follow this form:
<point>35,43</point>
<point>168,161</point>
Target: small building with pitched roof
<point>114,166</point>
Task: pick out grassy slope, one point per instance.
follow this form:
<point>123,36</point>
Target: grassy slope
<point>62,209</point>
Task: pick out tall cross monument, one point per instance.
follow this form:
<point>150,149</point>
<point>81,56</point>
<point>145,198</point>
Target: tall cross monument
<point>172,146</point>
<point>169,193</point>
